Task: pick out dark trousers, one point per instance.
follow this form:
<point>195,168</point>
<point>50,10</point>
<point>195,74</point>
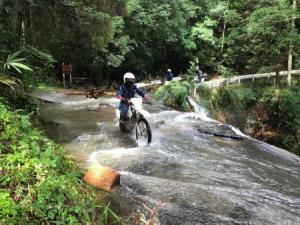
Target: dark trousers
<point>169,78</point>
<point>123,107</point>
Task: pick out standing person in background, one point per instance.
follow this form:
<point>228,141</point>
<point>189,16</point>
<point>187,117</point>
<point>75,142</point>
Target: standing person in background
<point>199,78</point>
<point>169,75</point>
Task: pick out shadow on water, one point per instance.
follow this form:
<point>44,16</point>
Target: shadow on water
<point>194,178</point>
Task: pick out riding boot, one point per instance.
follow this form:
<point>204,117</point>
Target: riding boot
<point>124,118</point>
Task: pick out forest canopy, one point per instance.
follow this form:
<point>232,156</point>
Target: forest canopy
<point>104,38</point>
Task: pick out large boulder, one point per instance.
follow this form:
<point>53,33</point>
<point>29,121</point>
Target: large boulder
<point>102,177</point>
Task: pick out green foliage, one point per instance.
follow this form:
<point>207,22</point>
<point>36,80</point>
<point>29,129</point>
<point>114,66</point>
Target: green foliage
<point>270,32</point>
<point>14,62</point>
<point>224,71</point>
<point>107,214</point>
<point>7,205</point>
<point>284,106</point>
<point>174,94</point>
<point>204,31</point>
<point>103,38</point>
<point>116,50</point>
<point>12,85</point>
<point>233,98</point>
<point>279,106</point>
<point>286,103</point>
<point>192,69</point>
<point>163,24</point>
<point>39,56</point>
<point>38,185</point>
<point>43,65</point>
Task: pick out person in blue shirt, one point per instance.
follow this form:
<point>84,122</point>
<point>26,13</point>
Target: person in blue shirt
<point>169,75</point>
<point>126,92</point>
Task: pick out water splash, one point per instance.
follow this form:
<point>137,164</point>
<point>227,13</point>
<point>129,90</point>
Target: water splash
<point>205,180</point>
<point>201,112</point>
<point>237,131</point>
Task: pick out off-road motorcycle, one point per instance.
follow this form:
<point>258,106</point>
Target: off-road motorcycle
<point>136,120</point>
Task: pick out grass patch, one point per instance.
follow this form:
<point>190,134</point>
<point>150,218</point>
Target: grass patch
<point>37,184</point>
<point>47,87</point>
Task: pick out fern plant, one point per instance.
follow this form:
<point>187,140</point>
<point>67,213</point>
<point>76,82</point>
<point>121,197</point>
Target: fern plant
<point>14,62</point>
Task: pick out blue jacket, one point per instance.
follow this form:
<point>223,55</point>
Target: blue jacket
<point>129,92</point>
<point>168,75</point>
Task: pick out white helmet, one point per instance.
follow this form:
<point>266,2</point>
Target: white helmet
<point>128,76</point>
<point>169,70</point>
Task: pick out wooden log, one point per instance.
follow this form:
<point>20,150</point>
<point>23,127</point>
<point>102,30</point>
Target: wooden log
<point>102,177</point>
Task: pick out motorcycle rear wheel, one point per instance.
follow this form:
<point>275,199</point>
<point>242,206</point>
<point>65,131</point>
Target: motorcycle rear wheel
<point>143,130</point>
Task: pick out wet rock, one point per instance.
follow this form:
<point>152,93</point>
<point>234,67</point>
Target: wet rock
<point>159,123</point>
<point>102,177</point>
<point>104,106</point>
<point>93,93</point>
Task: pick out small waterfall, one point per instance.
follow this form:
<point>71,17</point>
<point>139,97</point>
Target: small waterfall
<point>199,109</point>
<point>202,112</point>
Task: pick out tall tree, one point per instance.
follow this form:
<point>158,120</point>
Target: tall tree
<point>224,29</point>
<point>291,46</point>
<point>160,30</point>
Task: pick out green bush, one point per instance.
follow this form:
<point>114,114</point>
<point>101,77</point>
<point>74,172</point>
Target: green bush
<point>37,184</point>
<point>282,108</point>
<point>284,104</point>
<point>224,71</point>
<point>174,94</point>
<point>236,97</point>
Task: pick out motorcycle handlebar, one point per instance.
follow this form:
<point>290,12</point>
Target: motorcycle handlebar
<point>145,101</point>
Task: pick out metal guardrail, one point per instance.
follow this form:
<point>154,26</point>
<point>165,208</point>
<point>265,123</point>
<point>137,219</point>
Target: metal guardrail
<point>224,81</point>
<point>155,82</point>
<point>237,79</point>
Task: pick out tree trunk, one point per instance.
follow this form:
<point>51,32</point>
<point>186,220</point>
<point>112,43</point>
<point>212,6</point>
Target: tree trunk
<point>27,23</point>
<point>17,17</point>
<point>277,77</point>
<point>291,46</point>
<point>224,30</point>
<point>223,37</point>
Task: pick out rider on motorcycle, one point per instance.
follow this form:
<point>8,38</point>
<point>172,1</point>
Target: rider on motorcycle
<point>126,92</point>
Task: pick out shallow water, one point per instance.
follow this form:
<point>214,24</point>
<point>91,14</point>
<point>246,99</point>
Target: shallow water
<point>191,177</point>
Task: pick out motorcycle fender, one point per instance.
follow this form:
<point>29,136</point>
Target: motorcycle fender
<point>145,113</point>
<point>118,113</point>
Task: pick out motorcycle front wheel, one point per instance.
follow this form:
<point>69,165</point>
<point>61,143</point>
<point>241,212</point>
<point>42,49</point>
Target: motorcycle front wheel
<point>122,126</point>
<point>143,131</point>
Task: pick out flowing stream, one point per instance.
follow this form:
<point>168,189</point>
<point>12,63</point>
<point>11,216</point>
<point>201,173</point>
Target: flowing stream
<point>191,178</point>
